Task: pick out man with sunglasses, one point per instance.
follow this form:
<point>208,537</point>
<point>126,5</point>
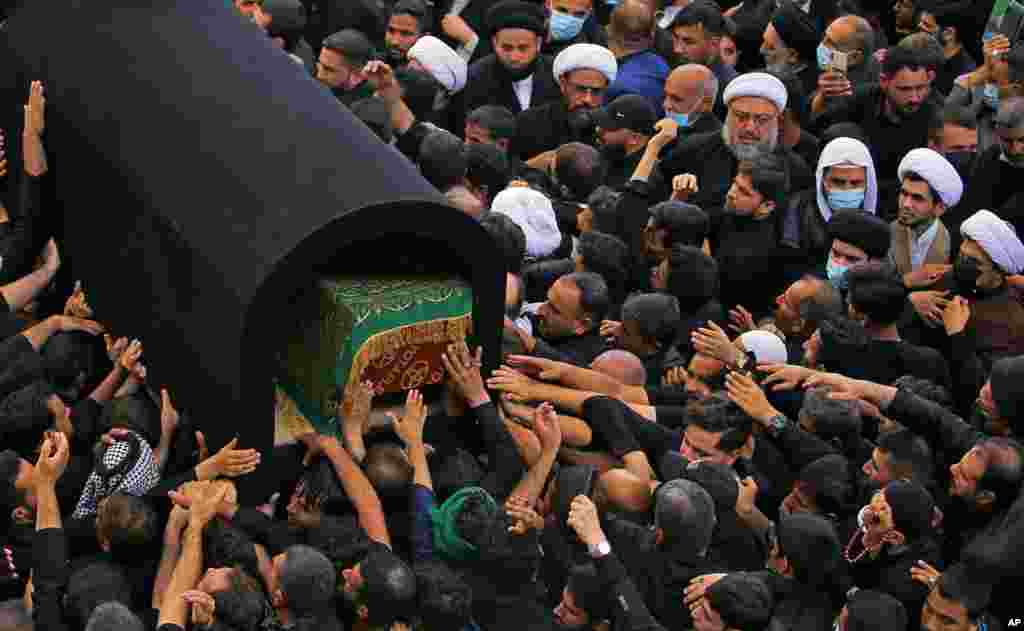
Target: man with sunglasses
<point>583,73</point>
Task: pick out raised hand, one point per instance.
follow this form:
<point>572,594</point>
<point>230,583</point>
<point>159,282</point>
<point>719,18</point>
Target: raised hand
<point>464,372</point>
<point>517,386</point>
<point>784,376</point>
<point>583,519</point>
<point>203,607</point>
<point>741,320</point>
<point>683,186</point>
<point>169,416</point>
<point>131,356</point>
<point>53,458</point>
<point>956,315</point>
<point>233,462</point>
<point>35,110</point>
<point>930,304</point>
<point>713,341</point>
<point>744,392</point>
<point>524,517</point>
<point>668,129</point>
<point>410,427</point>
<point>543,369</point>
<point>547,428</point>
<point>77,305</point>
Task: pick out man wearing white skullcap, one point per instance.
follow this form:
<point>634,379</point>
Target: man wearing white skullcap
<point>441,62</point>
<point>997,239</point>
<point>583,73</point>
<point>991,252</point>
<point>930,186</point>
<point>755,102</point>
<point>532,211</point>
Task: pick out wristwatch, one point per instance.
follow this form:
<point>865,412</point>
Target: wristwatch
<point>746,362</point>
<point>599,550</point>
<point>777,424</point>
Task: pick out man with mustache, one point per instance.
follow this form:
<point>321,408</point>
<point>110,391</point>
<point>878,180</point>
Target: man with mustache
<point>583,73</point>
<point>755,103</point>
<point>895,115</point>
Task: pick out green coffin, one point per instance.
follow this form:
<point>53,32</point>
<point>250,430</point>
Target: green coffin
<point>390,330</point>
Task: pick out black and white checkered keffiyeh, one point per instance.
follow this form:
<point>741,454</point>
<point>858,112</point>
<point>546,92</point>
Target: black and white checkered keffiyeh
<point>141,477</point>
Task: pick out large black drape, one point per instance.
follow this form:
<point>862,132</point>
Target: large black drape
<point>205,178</point>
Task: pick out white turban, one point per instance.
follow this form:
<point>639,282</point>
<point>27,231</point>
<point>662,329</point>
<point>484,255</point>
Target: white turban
<point>937,171</point>
<point>847,152</point>
<point>997,238</point>
<point>530,210</point>
<point>586,57</point>
<point>443,63</point>
<point>766,347</point>
<point>759,84</point>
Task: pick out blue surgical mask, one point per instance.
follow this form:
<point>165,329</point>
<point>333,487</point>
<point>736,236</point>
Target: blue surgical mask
<point>846,200</point>
<point>565,26</point>
<point>668,16</point>
<point>824,56</point>
<point>612,3</point>
<point>683,120</point>
<point>836,273</point>
<point>991,96</point>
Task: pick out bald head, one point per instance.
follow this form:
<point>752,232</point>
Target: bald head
<point>632,24</point>
<point>621,365</point>
<point>690,88</point>
<point>853,35</point>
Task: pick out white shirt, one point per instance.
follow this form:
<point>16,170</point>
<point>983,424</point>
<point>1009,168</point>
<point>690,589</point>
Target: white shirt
<point>524,91</point>
<point>919,247</point>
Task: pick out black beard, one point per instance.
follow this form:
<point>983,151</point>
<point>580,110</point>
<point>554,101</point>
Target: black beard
<point>518,74</point>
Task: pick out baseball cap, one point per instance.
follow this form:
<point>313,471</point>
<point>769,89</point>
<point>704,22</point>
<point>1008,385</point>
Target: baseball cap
<point>629,111</point>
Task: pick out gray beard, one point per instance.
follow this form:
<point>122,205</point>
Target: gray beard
<point>748,151</point>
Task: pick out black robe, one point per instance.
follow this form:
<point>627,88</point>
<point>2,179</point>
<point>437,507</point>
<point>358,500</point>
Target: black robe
<point>490,84</point>
<point>710,159</point>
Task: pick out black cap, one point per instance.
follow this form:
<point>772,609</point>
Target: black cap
<point>517,14</point>
<point>797,30</point>
<point>629,111</point>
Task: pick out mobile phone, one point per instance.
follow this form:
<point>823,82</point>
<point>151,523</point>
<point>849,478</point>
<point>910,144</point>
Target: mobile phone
<point>840,61</point>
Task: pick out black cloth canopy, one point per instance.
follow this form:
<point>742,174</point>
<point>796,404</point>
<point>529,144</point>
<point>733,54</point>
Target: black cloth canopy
<point>207,179</point>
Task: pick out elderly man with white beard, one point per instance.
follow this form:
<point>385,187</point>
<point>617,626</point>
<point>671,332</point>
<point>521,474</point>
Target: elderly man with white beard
<point>755,103</point>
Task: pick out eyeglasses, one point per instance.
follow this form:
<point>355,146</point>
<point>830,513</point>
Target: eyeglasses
<point>587,89</point>
<point>759,120</point>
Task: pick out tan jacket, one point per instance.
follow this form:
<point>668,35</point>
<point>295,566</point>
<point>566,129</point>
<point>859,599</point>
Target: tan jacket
<point>899,250</point>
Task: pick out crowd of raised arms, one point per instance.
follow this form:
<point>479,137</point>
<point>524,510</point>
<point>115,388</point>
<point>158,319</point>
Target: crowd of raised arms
<point>762,361</point>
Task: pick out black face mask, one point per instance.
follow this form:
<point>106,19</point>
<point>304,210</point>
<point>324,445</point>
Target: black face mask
<point>966,273</point>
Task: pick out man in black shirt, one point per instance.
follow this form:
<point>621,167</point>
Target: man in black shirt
<point>879,299</point>
<point>895,115</point>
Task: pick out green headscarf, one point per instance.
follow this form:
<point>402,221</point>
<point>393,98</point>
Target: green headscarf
<point>447,541</point>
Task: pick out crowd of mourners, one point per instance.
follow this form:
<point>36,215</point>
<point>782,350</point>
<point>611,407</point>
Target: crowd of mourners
<point>762,359</point>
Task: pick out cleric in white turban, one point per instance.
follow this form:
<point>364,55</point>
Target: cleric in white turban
<point>531,210</point>
<point>441,62</point>
<point>585,57</point>
<point>933,168</point>
<point>757,84</point>
<point>997,238</point>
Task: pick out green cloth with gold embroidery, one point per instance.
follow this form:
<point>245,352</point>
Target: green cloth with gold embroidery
<point>390,330</point>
